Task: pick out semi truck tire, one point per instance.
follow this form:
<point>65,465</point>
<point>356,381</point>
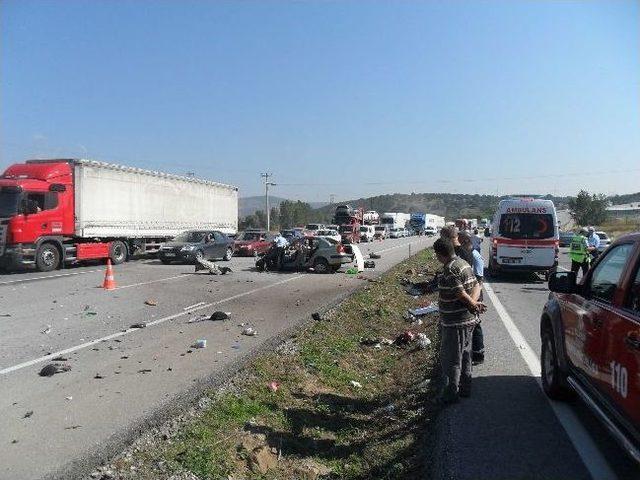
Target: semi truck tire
<point>47,257</point>
<point>118,252</point>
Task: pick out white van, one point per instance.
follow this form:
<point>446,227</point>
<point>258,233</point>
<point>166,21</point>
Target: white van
<point>524,236</point>
<point>367,233</point>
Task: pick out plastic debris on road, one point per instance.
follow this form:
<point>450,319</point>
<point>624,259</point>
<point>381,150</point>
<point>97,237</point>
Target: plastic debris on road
<point>200,343</point>
<point>249,331</point>
<point>355,384</point>
<point>46,330</point>
<point>369,264</point>
<point>375,256</point>
<point>151,303</point>
<point>423,341</point>
<point>432,308</point>
<point>351,271</point>
<point>138,325</point>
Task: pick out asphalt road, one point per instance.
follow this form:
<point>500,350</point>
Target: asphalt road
<point>122,377</point>
<point>508,429</point>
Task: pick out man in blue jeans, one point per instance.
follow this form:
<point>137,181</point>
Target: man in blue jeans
<point>477,342</point>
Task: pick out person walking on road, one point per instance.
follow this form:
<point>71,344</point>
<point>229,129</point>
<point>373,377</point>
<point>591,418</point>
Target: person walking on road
<point>281,244</point>
<point>477,342</point>
<point>458,305</point>
<point>579,252</point>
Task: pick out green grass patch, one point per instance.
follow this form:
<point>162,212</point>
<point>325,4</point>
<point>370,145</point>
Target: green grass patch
<point>317,417</point>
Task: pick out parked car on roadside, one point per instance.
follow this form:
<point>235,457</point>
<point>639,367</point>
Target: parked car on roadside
<point>605,241</point>
<point>590,335</point>
<point>565,238</point>
<point>252,243</point>
<point>327,233</point>
<point>197,244</point>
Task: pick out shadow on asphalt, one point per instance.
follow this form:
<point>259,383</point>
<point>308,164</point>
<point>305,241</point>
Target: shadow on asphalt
<point>516,278</point>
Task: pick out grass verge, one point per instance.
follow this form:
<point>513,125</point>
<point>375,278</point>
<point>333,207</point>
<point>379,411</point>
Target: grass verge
<point>341,409</point>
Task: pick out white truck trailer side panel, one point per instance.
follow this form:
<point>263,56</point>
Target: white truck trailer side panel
<point>116,201</point>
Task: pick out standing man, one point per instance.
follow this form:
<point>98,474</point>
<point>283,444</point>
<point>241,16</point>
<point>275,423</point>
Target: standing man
<point>458,304</point>
<point>594,242</point>
<point>451,234</point>
<point>579,252</point>
<point>477,342</point>
<point>477,240</point>
<point>281,243</point>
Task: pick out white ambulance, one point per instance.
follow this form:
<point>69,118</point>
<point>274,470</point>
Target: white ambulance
<point>524,236</point>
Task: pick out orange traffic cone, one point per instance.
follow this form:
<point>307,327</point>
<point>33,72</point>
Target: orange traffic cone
<point>109,279</point>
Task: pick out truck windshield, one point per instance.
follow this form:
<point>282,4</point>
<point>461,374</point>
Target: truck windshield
<point>190,237</point>
<point>526,225</point>
<point>9,202</point>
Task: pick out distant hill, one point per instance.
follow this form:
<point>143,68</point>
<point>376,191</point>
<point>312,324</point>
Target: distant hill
<point>449,205</point>
<point>249,205</point>
<point>622,199</point>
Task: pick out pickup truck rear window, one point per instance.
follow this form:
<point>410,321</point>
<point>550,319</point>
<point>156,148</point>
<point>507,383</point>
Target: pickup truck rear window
<point>526,225</point>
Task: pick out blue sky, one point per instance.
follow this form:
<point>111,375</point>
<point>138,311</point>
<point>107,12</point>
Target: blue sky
<point>348,98</point>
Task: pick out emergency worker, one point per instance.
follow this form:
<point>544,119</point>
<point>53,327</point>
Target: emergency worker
<point>579,252</point>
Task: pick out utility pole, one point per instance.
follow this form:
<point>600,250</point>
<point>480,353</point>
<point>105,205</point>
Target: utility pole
<point>267,184</point>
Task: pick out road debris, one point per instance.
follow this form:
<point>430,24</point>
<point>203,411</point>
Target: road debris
<point>98,376</point>
<point>215,316</point>
<point>316,316</point>
<point>405,338</point>
<point>431,308</point>
<point>423,341</point>
<point>68,398</point>
<point>369,264</point>
<point>151,303</point>
<point>138,325</point>
<point>28,414</point>
<point>144,370</point>
<point>375,256</point>
<point>273,386</point>
<point>249,331</point>
<point>355,384</point>
<point>72,427</point>
<point>200,343</point>
<point>351,271</point>
<point>213,268</point>
<point>46,330</point>
<point>52,368</point>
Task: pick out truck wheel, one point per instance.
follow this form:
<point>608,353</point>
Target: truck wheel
<point>228,254</point>
<point>321,265</point>
<point>47,257</point>
<point>553,379</point>
<point>118,252</point>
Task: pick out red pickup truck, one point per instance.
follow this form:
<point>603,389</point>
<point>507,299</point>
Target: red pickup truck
<point>590,335</point>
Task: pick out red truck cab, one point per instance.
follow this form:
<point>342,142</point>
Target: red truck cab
<point>590,334</point>
<point>37,219</point>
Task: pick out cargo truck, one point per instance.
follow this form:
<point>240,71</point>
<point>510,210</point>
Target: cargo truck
<point>395,220</point>
<point>61,211</point>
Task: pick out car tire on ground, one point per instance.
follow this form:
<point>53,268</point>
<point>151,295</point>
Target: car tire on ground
<point>553,379</point>
<point>321,265</point>
<point>228,254</point>
<point>118,252</point>
<point>47,257</point>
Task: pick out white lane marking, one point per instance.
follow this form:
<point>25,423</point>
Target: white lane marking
<point>193,306</point>
<point>184,275</point>
<point>149,324</point>
<point>591,456</point>
<point>33,279</point>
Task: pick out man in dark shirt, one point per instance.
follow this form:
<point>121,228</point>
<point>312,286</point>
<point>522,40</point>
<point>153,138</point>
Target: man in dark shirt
<point>458,305</point>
